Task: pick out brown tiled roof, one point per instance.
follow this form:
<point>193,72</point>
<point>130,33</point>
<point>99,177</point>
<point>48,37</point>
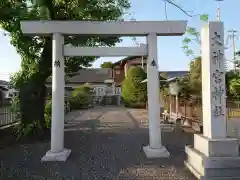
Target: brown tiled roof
<point>90,75</point>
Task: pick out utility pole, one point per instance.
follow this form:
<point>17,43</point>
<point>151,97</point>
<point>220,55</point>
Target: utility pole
<point>218,13</point>
<point>218,9</point>
<point>233,36</point>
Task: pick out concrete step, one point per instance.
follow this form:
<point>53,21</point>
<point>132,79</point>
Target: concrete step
<point>195,160</point>
<point>214,167</point>
<point>200,177</point>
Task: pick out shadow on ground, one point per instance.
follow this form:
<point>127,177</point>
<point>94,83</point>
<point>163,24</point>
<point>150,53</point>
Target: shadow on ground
<point>99,152</point>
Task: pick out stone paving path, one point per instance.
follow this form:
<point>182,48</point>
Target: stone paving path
<point>106,144</point>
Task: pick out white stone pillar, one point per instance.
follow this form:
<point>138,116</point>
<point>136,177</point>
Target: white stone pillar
<point>57,152</point>
<point>155,148</point>
<point>214,155</point>
<point>213,78</point>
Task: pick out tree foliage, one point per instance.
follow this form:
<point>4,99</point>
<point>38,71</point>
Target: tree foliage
<point>81,97</point>
<point>108,64</point>
<point>195,76</point>
<point>134,92</point>
<point>192,36</point>
<point>82,89</point>
<point>234,88</point>
<point>192,84</point>
<point>233,85</point>
<point>36,52</point>
<point>185,90</point>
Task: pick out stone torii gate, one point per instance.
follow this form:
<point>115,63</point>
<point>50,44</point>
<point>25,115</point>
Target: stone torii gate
<point>57,29</point>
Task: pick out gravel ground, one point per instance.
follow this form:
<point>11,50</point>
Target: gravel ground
<point>106,143</point>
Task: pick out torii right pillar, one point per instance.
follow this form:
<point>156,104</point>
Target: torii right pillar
<point>155,149</point>
<point>214,156</point>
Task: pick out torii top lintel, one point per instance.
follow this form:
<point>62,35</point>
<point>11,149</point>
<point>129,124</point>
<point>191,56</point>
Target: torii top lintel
<point>119,28</point>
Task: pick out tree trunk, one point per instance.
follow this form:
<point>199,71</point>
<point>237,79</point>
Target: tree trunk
<point>32,94</point>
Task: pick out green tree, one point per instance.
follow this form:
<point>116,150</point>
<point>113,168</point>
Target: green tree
<point>134,92</point>
<point>195,76</point>
<point>192,84</point>
<point>234,88</point>
<point>194,87</point>
<point>185,91</point>
<point>108,64</point>
<point>232,85</point>
<point>36,52</point>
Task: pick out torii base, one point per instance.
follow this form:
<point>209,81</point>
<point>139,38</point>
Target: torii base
<point>60,156</point>
<point>156,153</point>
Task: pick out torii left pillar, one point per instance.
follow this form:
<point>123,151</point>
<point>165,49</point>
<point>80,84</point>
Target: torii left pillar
<point>57,151</point>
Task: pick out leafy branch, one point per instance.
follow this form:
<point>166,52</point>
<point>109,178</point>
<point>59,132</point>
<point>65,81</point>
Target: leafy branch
<point>192,36</point>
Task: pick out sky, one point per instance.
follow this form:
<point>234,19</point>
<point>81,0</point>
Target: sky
<point>170,53</point>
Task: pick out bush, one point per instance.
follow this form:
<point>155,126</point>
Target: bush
<point>134,92</point>
<point>48,113</point>
<point>80,101</point>
<point>81,97</point>
<point>83,89</point>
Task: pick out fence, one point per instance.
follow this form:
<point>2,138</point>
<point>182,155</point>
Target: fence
<point>6,116</point>
<point>192,108</point>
